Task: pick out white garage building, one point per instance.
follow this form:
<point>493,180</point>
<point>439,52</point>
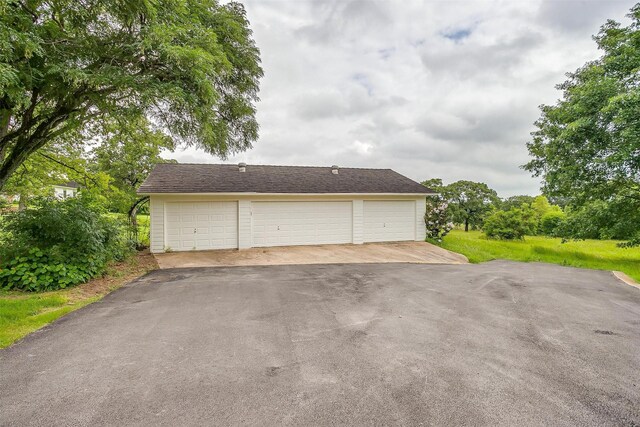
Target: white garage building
<point>205,206</point>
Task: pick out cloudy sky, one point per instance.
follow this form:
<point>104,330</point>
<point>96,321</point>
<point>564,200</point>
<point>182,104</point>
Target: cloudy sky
<point>433,88</point>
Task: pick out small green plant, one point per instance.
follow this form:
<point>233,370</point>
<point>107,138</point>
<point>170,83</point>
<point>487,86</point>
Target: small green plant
<point>510,225</point>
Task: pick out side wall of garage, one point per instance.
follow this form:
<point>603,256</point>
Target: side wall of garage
<point>195,222</point>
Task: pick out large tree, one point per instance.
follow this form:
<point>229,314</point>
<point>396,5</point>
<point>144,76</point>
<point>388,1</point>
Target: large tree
<point>190,66</point>
<point>587,146</point>
<point>469,202</point>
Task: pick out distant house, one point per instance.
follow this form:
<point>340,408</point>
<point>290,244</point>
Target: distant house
<point>68,189</point>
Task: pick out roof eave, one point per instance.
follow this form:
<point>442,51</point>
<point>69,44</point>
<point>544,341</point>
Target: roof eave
<point>249,193</point>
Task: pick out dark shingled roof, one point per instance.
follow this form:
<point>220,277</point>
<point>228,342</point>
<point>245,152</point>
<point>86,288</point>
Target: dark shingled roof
<point>69,184</point>
<point>208,178</point>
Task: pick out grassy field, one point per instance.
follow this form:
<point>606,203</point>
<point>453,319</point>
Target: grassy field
<point>22,313</point>
<point>594,254</point>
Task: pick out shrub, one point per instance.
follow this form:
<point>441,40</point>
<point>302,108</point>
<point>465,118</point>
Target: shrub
<point>550,223</point>
<point>510,225</point>
<point>58,243</point>
<point>39,271</point>
<point>435,219</point>
<point>616,219</point>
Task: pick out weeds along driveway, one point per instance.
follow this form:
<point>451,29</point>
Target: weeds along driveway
<point>501,343</point>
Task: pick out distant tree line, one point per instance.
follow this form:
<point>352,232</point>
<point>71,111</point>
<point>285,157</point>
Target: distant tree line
<point>474,206</point>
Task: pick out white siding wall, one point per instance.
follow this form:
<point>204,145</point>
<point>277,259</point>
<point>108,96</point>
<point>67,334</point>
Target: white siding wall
<point>357,222</point>
<point>156,208</point>
<point>64,192</point>
<point>244,224</point>
<point>421,231</point>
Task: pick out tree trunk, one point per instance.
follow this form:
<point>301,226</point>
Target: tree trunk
<point>28,143</point>
<point>466,224</point>
<point>5,119</point>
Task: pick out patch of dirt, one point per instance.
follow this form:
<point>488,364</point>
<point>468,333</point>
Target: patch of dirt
<point>116,276</point>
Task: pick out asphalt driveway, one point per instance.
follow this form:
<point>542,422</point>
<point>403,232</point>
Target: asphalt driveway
<point>499,343</point>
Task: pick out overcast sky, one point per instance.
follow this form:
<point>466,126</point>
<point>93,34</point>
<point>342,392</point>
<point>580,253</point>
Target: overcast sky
<point>446,89</point>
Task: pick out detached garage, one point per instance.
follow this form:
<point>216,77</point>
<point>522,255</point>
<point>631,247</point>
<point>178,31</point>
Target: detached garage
<point>204,206</point>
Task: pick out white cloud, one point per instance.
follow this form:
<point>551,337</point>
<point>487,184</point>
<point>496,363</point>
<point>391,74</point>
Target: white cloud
<point>430,89</point>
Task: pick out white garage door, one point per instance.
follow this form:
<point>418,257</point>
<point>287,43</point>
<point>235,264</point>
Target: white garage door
<point>202,225</point>
<point>389,221</point>
<point>301,223</point>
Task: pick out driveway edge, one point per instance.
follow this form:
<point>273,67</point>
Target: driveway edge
<point>626,279</point>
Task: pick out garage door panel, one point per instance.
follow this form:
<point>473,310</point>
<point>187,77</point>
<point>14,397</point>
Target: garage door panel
<point>301,223</point>
<point>389,221</point>
<point>202,243</point>
<point>215,225</point>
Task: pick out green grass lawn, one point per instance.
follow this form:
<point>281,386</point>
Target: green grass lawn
<point>21,315</point>
<point>22,312</point>
<point>594,254</point>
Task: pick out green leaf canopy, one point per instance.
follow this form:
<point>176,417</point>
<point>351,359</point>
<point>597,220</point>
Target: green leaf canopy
<point>587,146</point>
<point>190,67</point>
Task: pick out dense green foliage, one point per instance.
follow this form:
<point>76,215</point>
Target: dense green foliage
<point>56,244</point>
<point>190,66</point>
<point>595,254</point>
<point>111,171</point>
<point>127,155</point>
<point>434,184</point>
<point>612,219</point>
<point>587,146</point>
<point>511,224</point>
<point>526,215</point>
<point>551,223</point>
<point>515,202</point>
<point>37,270</point>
